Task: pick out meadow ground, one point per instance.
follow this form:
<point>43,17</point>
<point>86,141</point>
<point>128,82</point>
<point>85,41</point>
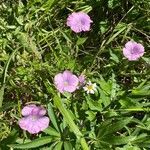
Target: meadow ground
<point>75,74</point>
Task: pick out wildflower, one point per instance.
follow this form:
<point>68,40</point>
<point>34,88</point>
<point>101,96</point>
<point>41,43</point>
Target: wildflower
<point>90,87</point>
<point>34,120</point>
<point>133,50</point>
<point>66,82</point>
<point>79,21</point>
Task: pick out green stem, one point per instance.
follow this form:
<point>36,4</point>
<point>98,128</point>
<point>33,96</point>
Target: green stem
<point>4,77</point>
<point>1,95</point>
<point>136,109</point>
<point>70,122</point>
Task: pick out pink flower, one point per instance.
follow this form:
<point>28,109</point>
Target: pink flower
<point>66,82</point>
<point>34,120</point>
<point>79,21</point>
<point>133,51</point>
<point>81,79</point>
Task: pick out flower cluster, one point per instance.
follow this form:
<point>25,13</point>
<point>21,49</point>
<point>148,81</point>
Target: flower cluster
<point>68,82</point>
<point>80,21</point>
<point>34,119</point>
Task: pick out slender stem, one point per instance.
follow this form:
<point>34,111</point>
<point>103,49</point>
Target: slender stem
<point>4,77</point>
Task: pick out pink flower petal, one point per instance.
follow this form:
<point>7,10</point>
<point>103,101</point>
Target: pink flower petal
<point>42,111</point>
<point>70,88</point>
<point>59,81</point>
<point>79,21</point>
<point>34,120</point>
<point>66,82</point>
<point>34,125</point>
<point>27,110</point>
<point>43,123</point>
<point>23,123</point>
<point>133,51</point>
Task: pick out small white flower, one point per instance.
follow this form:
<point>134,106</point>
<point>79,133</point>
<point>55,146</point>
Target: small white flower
<point>90,87</point>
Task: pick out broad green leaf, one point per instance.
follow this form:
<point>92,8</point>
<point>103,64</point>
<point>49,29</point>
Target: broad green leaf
<point>104,98</point>
<point>118,125</point>
<point>106,86</point>
<point>67,116</point>
<point>58,146</point>
<point>52,116</point>
<point>118,140</point>
<point>114,57</point>
<point>94,105</point>
<point>67,145</point>
<point>35,143</point>
<point>114,87</point>
<point>81,41</point>
<point>91,115</point>
<point>69,120</point>
<point>112,126</point>
<point>141,138</point>
<point>52,132</point>
<point>142,90</point>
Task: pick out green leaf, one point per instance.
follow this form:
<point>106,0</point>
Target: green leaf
<point>52,116</point>
<point>1,95</point>
<point>118,140</point>
<point>115,35</point>
<point>143,91</point>
<point>106,86</point>
<point>104,98</point>
<point>114,87</point>
<point>128,147</point>
<point>5,76</point>
<point>81,41</point>
<point>28,43</point>
<point>70,122</point>
<point>35,143</point>
<point>114,57</point>
<point>91,115</point>
<point>114,127</point>
<point>52,132</point>
<point>94,105</point>
<point>49,4</point>
<point>67,116</point>
<point>58,146</point>
<point>67,146</point>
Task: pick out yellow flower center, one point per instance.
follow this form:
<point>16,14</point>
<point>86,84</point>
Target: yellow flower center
<point>90,87</point>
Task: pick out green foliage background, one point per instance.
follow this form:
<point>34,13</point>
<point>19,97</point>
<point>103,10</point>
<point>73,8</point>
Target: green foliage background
<point>36,44</point>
